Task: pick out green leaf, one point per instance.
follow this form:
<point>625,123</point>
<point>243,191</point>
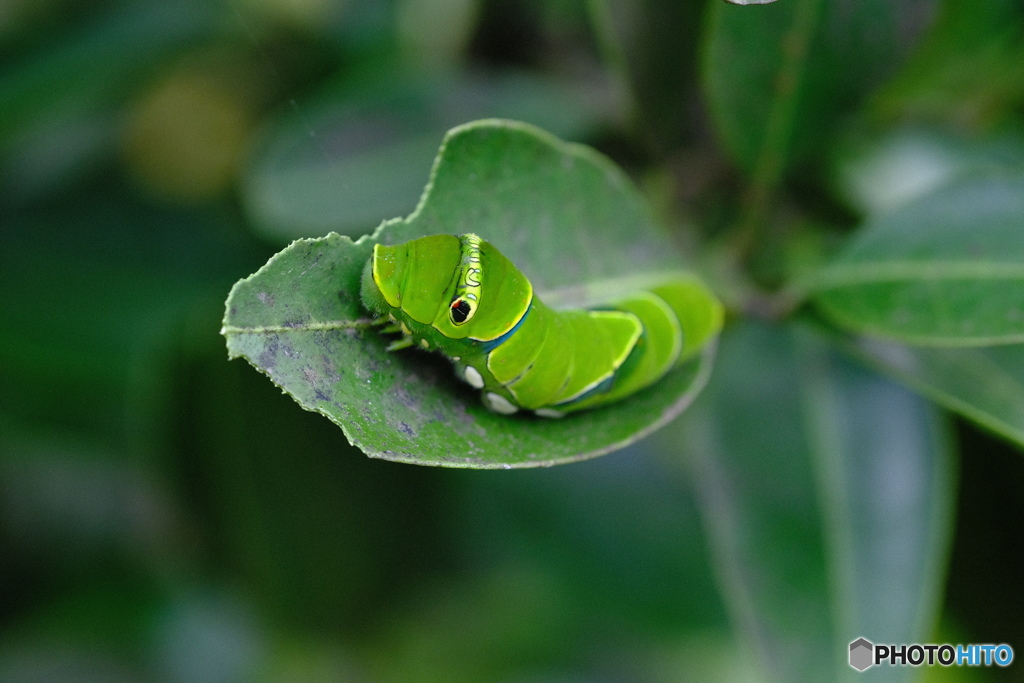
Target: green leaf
<point>886,485</point>
<point>359,151</point>
<point>941,82</point>
<point>946,270</point>
<point>985,385</point>
<point>826,492</point>
<point>565,215</point>
<point>908,163</point>
<point>780,78</point>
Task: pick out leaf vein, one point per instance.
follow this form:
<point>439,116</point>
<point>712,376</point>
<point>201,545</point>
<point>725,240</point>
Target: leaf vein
<point>360,323</point>
<point>895,271</point>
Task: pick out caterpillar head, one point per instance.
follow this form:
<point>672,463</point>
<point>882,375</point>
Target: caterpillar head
<point>460,286</point>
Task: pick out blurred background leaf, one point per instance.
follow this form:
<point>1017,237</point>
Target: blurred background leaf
<point>779,79</point>
<point>362,152</point>
<point>877,175</point>
<point>983,384</point>
<point>945,270</point>
<point>815,535</point>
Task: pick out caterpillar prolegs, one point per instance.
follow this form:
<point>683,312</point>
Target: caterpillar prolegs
<point>460,296</point>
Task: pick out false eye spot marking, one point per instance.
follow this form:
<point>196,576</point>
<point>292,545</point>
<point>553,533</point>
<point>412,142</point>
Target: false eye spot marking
<point>460,310</point>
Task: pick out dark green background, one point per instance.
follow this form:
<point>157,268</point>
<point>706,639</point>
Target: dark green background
<point>168,515</point>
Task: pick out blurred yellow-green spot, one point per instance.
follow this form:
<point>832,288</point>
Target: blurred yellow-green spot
<point>185,137</point>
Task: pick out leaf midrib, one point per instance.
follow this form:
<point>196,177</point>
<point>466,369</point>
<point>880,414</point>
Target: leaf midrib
<point>840,275</point>
<point>358,323</point>
<point>983,367</point>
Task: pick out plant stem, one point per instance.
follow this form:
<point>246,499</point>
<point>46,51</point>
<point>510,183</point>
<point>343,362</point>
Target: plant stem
<point>612,54</point>
<point>771,160</point>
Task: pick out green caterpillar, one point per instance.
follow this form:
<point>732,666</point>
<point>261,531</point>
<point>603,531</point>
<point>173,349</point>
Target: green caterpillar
<point>459,295</point>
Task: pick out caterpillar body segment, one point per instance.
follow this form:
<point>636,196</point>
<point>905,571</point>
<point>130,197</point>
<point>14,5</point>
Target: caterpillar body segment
<point>458,295</point>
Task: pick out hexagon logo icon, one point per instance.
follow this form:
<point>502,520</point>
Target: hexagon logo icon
<point>861,651</point>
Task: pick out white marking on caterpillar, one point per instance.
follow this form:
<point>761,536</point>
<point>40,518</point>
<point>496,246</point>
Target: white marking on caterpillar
<point>474,378</point>
<point>548,412</point>
<point>499,403</point>
<point>424,343</point>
